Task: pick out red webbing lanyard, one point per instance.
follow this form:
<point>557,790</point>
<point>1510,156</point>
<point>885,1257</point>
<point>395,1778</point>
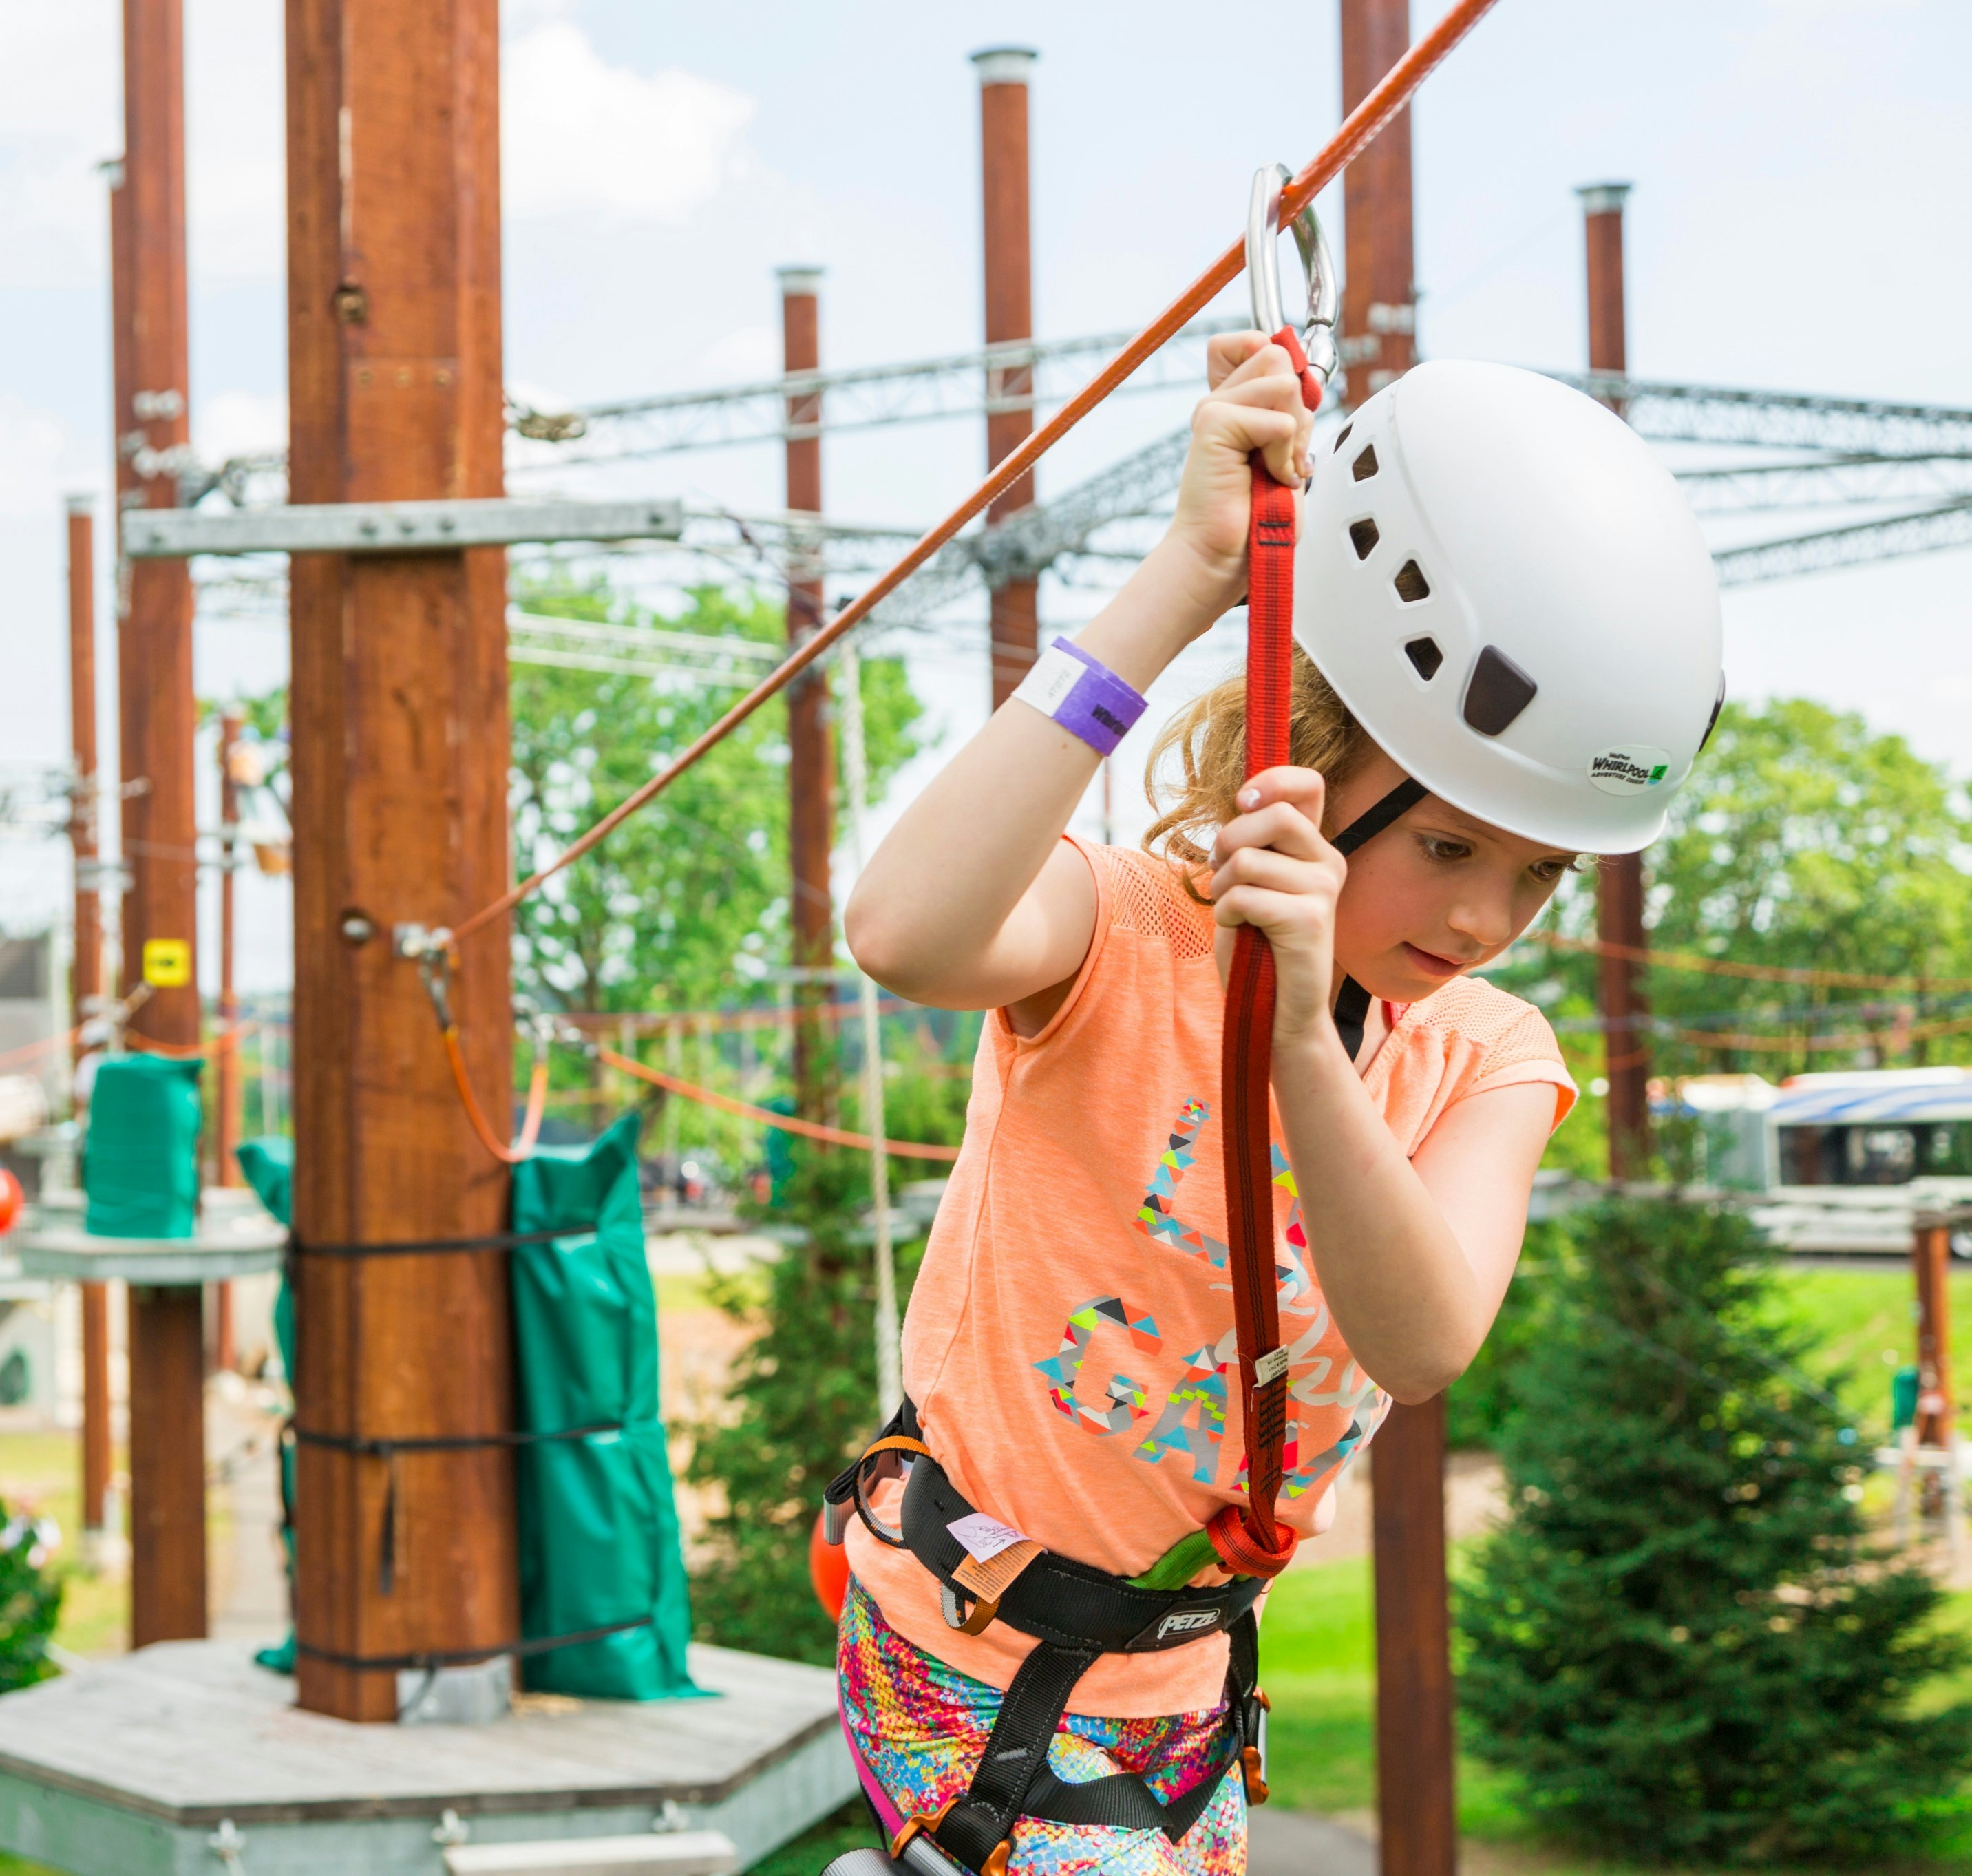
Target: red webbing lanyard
<point>1248,1541</point>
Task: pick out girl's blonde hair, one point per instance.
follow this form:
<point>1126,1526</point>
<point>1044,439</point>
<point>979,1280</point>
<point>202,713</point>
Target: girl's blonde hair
<point>1208,739</point>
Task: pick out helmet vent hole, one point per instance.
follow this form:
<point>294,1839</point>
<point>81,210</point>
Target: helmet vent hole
<point>1362,537</point>
<point>1424,656</point>
<point>1365,465</point>
<point>1499,691</point>
<point>1411,584</point>
<point>1342,436</point>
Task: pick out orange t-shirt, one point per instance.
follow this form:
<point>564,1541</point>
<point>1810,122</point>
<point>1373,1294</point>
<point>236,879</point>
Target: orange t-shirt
<point>1069,1343</point>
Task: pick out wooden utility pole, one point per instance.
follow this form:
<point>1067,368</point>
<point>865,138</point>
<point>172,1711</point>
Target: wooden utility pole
<point>1619,889</point>
<point>1936,1412</point>
<point>399,768</point>
<point>157,719</point>
<point>86,968</point>
<point>226,1093</point>
<point>810,738</point>
<point>1010,319</point>
<point>1414,1752</point>
<point>1379,342</point>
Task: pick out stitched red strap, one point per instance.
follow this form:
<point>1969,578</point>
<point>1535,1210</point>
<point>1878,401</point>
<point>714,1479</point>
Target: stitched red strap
<point>1246,1060</point>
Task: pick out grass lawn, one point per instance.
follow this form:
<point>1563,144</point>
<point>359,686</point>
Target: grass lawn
<point>1862,1321</point>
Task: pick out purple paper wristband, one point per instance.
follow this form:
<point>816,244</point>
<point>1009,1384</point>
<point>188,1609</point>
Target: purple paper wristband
<point>1084,696</point>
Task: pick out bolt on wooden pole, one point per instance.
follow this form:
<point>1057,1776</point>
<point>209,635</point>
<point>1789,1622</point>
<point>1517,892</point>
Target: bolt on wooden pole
<point>1619,888</point>
<point>86,969</point>
<point>1003,72</point>
<point>157,717</point>
<point>399,718</point>
<point>810,738</point>
<point>1415,1750</point>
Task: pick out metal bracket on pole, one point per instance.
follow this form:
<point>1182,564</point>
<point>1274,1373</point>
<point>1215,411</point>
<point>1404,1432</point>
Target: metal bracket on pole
<point>392,527</point>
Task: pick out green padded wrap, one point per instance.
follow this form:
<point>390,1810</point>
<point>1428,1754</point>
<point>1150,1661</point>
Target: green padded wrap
<point>140,1159</point>
<point>598,1528</point>
<point>269,1165</point>
<point>598,1532</point>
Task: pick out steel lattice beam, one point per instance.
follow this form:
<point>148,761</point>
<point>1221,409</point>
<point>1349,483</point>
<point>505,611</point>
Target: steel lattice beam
<point>1712,413</point>
<point>1927,531</point>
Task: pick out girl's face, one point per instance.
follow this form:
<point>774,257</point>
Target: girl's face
<point>1435,895</point>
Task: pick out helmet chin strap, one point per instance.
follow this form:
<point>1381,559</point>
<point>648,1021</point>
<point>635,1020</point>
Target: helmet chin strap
<point>1352,1001</point>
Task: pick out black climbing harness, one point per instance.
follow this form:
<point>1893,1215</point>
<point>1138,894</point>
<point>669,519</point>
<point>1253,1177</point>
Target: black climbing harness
<point>1075,1614</point>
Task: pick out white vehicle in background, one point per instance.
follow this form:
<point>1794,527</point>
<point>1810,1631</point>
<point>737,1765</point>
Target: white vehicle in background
<point>1850,1160</point>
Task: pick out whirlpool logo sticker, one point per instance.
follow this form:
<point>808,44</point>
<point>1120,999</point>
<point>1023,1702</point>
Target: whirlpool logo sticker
<point>1629,769</point>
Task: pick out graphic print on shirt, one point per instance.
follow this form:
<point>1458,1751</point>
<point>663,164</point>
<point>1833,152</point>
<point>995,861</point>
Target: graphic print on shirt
<point>1201,1395</point>
<point>1126,1401</point>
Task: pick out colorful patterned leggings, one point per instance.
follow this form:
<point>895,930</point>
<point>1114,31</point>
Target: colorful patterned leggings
<point>921,1727</point>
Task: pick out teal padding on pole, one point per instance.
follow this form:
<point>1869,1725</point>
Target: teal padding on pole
<point>598,1525</point>
<point>269,1165</point>
<point>140,1158</point>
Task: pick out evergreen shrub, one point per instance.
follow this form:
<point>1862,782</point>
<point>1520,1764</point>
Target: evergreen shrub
<point>1683,1639</point>
<point>802,1403</point>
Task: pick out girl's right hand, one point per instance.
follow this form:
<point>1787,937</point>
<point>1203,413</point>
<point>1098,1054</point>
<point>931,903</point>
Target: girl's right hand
<point>1254,404</point>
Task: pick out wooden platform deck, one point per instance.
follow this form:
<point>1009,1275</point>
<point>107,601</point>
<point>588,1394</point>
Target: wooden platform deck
<point>186,1760</point>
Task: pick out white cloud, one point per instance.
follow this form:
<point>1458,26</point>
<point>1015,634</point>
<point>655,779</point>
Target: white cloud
<point>580,134</point>
<point>58,100</point>
<point>239,423</point>
<point>38,462</point>
<point>749,351</point>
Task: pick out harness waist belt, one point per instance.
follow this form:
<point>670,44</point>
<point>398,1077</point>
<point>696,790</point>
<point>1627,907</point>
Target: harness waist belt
<point>1055,1598</point>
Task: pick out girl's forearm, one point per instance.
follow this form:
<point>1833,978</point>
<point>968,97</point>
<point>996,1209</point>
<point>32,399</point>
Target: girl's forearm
<point>1404,1293</point>
<point>937,913</point>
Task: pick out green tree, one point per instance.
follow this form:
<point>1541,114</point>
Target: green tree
<point>686,905</point>
<point>1682,1638</point>
<point>1804,839</point>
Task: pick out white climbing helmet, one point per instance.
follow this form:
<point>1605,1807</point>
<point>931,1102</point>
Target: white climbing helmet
<point>1506,587</point>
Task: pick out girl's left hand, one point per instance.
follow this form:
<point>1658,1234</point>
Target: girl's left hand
<point>1272,868</point>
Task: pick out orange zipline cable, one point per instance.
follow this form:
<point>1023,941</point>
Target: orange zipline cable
<point>1727,967</point>
<point>787,1123</point>
<point>1361,124</point>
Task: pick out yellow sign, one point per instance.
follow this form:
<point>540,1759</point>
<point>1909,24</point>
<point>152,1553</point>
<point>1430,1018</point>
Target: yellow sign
<point>167,963</point>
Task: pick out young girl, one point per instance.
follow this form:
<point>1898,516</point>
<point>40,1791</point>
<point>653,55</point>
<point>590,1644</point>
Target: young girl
<point>1506,627</point>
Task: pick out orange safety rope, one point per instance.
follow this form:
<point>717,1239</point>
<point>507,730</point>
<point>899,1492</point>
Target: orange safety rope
<point>34,1051</point>
<point>150,1045</point>
<point>787,1123</point>
<point>531,1125</point>
<point>771,1017</point>
<point>1361,124</point>
<point>1727,967</point>
<point>1853,1039</point>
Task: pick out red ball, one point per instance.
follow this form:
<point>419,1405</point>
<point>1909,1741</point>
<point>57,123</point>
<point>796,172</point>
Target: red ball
<point>10,1199</point>
<point>828,1570</point>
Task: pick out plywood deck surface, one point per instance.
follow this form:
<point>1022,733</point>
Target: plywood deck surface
<point>191,1733</point>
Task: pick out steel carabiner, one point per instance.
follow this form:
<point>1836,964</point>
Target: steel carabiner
<point>1263,270</point>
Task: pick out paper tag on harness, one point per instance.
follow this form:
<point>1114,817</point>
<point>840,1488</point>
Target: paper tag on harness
<point>1266,1371</point>
<point>985,1538</point>
<point>989,1580</point>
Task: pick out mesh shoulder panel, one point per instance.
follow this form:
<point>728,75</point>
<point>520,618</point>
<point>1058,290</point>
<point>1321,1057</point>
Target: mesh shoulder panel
<point>1147,897</point>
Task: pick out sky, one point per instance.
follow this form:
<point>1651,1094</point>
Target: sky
<point>1796,224</point>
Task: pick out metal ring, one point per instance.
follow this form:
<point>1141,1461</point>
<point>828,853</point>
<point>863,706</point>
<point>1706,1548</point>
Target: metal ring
<point>1263,270</point>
